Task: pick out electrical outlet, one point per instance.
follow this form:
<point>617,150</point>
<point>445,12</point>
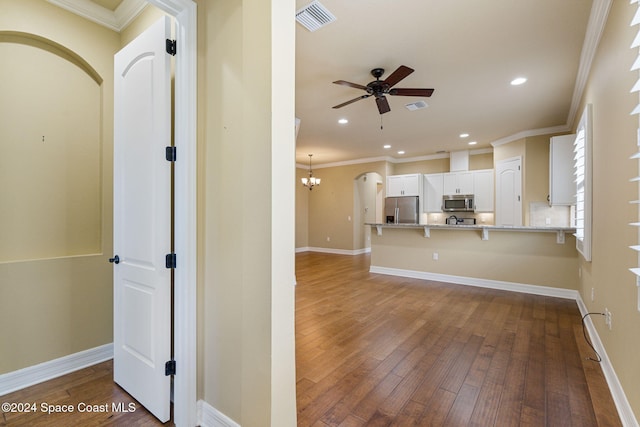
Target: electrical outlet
<point>593,294</point>
<point>435,256</point>
<point>607,317</point>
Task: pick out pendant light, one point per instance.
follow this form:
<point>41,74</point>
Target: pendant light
<point>311,181</point>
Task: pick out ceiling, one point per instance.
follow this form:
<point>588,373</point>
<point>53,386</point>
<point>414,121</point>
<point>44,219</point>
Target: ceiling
<point>468,51</point>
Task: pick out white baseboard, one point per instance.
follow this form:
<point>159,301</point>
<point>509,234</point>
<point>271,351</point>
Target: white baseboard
<point>625,412</point>
<point>334,251</point>
<point>481,283</point>
<point>22,378</point>
<point>208,416</point>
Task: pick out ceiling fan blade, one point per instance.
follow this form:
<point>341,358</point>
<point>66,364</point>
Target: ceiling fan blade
<point>399,74</point>
<point>352,101</point>
<point>354,85</point>
<point>411,92</point>
<point>383,104</point>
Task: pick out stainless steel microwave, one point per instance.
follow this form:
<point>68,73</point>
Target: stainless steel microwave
<point>458,203</point>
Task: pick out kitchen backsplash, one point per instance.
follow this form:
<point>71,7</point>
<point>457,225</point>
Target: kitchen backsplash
<point>441,218</point>
<point>543,215</point>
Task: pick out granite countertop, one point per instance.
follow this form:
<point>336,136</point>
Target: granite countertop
<point>477,227</point>
<point>484,228</point>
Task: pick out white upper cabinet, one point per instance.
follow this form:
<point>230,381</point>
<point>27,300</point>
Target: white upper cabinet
<point>483,190</point>
<point>458,183</point>
<point>562,188</point>
<point>404,185</point>
<point>433,187</point>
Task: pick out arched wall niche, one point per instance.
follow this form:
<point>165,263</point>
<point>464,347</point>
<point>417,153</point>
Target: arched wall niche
<point>19,37</point>
<point>51,139</point>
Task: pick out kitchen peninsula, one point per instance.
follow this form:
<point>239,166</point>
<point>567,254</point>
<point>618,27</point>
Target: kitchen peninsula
<point>541,260</point>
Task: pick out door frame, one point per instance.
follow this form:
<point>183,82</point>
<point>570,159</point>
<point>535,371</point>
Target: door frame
<point>185,340</point>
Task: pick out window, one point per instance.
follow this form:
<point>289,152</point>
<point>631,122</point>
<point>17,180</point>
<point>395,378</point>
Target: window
<point>582,171</point>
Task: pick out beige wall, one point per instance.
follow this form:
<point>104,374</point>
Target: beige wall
<point>247,209</point>
<point>50,308</point>
<point>614,140</point>
<point>332,203</point>
<point>517,257</point>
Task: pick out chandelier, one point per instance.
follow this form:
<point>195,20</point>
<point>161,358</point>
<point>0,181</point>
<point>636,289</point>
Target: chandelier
<point>311,181</point>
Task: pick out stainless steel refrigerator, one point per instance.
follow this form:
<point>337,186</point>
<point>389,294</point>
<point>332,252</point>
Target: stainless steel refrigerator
<point>401,210</point>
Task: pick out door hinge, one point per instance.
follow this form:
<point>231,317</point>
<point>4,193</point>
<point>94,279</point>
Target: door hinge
<point>171,47</point>
<point>170,368</point>
<point>170,260</point>
<point>170,154</point>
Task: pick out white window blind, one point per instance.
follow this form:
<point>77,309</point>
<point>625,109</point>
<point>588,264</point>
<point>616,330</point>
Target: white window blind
<point>636,89</point>
<point>582,171</point>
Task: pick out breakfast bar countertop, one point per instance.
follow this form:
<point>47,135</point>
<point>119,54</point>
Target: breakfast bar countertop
<point>483,228</point>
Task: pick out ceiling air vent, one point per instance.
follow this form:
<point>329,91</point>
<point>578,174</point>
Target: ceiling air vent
<point>418,105</point>
<point>314,16</point>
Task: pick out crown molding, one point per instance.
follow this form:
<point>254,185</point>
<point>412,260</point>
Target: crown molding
<point>531,132</point>
<point>114,20</point>
<point>595,28</point>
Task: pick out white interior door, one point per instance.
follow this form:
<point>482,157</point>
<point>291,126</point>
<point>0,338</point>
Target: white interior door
<point>142,219</point>
<point>509,192</point>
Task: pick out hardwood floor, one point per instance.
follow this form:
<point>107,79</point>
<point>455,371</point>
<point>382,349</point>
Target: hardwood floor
<point>379,350</point>
<point>376,350</point>
<point>79,390</point>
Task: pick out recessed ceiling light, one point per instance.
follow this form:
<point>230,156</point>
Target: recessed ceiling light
<point>518,81</point>
<point>386,146</point>
<point>401,152</point>
<point>464,135</point>
<point>343,121</point>
<point>473,142</point>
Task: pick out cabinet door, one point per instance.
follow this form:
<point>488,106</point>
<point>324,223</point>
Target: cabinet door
<point>450,183</point>
<point>483,190</point>
<point>465,183</point>
<point>458,183</point>
<point>394,186</point>
<point>433,187</point>
<point>411,185</point>
<point>562,187</point>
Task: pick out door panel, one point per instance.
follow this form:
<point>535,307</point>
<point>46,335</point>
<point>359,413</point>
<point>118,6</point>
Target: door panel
<point>509,192</point>
<point>142,215</point>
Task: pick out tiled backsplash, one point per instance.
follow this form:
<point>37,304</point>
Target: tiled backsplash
<point>541,215</point>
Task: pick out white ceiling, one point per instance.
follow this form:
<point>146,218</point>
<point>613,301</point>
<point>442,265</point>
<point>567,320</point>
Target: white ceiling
<point>468,51</point>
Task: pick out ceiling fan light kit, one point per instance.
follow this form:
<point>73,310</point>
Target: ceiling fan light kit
<point>379,88</point>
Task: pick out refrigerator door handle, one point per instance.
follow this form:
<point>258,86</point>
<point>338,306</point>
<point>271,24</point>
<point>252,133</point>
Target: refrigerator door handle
<point>396,215</point>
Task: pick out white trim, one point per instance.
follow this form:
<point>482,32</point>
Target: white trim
<point>185,340</point>
<point>392,159</point>
<point>481,283</point>
<point>529,133</point>
<point>334,251</point>
<point>625,412</point>
<point>116,20</point>
<point>26,377</point>
<point>595,28</point>
<point>208,416</point>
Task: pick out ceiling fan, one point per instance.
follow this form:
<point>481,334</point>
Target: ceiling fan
<point>380,88</point>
